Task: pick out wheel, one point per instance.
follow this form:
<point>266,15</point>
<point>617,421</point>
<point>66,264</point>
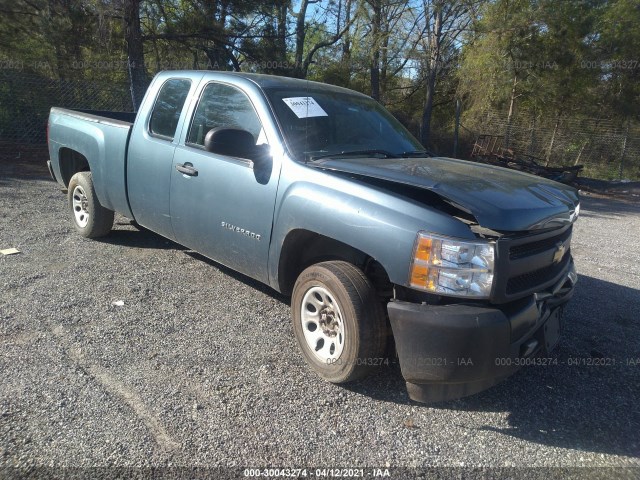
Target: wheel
<point>338,321</point>
<point>89,218</point>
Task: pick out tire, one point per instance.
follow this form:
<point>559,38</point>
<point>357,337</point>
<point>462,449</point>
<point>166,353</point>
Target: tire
<point>344,339</point>
<point>89,218</point>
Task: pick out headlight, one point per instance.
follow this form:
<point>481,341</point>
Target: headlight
<point>573,216</point>
<point>446,266</point>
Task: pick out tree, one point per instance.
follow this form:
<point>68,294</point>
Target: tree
<point>304,52</point>
<point>531,55</point>
<point>444,23</point>
<point>617,43</point>
<point>135,51</point>
<point>391,41</point>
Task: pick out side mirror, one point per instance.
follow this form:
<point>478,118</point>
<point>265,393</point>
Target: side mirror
<point>230,141</point>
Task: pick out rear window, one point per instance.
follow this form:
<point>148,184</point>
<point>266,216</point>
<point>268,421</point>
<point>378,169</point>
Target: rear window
<point>168,107</point>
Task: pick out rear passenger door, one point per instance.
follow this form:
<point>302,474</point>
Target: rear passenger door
<point>151,149</point>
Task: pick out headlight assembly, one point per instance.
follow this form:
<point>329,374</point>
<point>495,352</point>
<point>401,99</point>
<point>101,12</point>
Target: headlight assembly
<point>448,266</point>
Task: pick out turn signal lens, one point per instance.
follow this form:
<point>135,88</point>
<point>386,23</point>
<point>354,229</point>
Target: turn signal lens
<point>423,249</point>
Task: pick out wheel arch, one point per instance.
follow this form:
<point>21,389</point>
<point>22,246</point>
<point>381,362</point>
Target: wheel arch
<point>71,162</point>
<point>302,248</point>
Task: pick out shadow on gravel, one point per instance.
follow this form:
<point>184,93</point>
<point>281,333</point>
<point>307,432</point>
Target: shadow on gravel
<point>261,287</point>
<point>140,238</point>
<point>587,401</point>
<point>599,207</point>
<point>143,238</point>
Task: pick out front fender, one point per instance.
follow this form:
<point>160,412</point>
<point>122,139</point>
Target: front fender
<point>371,220</point>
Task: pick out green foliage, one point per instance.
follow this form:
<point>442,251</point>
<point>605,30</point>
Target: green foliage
<point>545,60</point>
<point>554,58</point>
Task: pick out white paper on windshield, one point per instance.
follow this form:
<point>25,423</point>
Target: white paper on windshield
<point>305,107</point>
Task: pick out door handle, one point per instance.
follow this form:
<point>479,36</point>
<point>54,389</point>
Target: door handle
<point>187,169</point>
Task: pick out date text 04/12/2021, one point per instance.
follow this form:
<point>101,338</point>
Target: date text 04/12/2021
<point>317,472</point>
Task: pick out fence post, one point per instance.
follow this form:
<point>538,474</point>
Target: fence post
<point>624,148</point>
<point>456,128</point>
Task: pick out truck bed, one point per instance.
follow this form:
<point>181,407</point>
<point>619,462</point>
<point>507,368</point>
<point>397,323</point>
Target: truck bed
<point>100,115</point>
<point>101,138</point>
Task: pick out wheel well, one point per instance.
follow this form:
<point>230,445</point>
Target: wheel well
<point>302,248</point>
<point>71,162</point>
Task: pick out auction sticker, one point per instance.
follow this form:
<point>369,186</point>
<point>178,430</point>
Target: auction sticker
<point>305,107</point>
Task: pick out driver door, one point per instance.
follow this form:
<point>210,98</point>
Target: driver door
<point>220,206</point>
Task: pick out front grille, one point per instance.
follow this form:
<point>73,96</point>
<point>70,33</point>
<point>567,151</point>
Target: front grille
<point>530,280</point>
<point>525,265</point>
<point>520,251</point>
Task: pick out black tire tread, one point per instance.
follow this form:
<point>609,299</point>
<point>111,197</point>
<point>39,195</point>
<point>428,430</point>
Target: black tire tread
<point>376,335</point>
<point>369,313</point>
<point>101,219</point>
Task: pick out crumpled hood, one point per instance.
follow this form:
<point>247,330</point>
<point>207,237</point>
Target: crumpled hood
<point>499,198</point>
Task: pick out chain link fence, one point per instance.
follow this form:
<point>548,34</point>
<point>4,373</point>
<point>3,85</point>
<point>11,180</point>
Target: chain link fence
<point>608,150</point>
<point>25,101</point>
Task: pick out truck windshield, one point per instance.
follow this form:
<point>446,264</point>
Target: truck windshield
<point>320,123</point>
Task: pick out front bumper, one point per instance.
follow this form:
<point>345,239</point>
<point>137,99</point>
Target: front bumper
<point>451,351</point>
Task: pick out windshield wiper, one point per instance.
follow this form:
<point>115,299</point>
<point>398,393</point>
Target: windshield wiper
<point>416,153</point>
<point>354,152</point>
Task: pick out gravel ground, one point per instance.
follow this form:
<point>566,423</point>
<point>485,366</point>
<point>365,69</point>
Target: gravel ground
<point>200,368</point>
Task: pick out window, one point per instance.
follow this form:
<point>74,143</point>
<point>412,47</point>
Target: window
<point>169,104</point>
<point>224,106</point>
<point>350,122</point>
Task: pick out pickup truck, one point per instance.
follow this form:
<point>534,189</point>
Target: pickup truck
<point>458,271</point>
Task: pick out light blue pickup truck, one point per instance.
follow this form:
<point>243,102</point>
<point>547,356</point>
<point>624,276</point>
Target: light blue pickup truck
<point>458,270</point>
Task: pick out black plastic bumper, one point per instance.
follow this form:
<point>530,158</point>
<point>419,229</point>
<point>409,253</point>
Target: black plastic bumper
<point>451,351</point>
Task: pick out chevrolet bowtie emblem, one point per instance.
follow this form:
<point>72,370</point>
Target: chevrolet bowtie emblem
<point>559,253</point>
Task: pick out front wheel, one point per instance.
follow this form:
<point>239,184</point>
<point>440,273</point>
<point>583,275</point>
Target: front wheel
<point>338,321</point>
<point>89,218</point>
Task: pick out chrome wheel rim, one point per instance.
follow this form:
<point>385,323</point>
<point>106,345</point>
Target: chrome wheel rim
<point>322,324</point>
<point>80,206</point>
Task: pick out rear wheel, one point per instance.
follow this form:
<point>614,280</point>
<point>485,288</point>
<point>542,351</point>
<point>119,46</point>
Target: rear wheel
<point>338,321</point>
<point>89,218</point>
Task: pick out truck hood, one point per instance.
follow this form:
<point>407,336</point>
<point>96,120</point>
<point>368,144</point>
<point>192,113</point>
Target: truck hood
<point>499,198</point>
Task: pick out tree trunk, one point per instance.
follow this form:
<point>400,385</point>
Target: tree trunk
<point>384,60</point>
<point>584,144</point>
<point>425,128</point>
<point>375,53</point>
<point>432,67</point>
<point>532,139</point>
<point>456,129</point>
<point>281,42</point>
<point>553,139</point>
<point>512,103</point>
<point>298,70</point>
<point>624,149</point>
<point>135,51</point>
<point>346,40</point>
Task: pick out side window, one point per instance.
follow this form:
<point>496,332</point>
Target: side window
<point>224,106</point>
<point>169,104</point>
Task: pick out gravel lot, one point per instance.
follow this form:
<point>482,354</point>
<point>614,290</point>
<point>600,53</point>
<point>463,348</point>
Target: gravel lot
<point>199,367</point>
